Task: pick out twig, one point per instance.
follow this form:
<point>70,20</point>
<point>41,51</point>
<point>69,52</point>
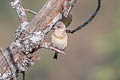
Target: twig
<point>48,46</point>
<point>31,11</point>
<point>88,21</point>
<point>30,36</point>
<point>20,10</point>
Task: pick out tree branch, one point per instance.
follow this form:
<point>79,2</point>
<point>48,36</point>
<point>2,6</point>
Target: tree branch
<point>88,21</point>
<point>30,36</point>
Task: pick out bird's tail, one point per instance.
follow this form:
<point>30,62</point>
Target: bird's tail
<point>55,55</point>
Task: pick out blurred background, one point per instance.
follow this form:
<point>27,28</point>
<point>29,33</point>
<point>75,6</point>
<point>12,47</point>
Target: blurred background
<point>93,53</point>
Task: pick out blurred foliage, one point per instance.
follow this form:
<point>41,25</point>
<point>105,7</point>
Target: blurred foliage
<point>110,44</point>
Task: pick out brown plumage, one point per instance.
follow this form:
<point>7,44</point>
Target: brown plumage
<point>59,37</point>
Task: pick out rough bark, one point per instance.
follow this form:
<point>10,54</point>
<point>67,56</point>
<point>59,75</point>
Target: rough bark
<point>29,37</point>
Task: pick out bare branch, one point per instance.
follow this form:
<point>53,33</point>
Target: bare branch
<point>20,10</point>
<point>49,46</point>
<point>30,36</point>
<point>88,21</point>
<point>31,11</point>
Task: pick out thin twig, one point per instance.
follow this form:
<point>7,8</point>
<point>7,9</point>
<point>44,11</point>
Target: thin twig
<point>30,36</point>
<point>31,11</point>
<point>88,21</point>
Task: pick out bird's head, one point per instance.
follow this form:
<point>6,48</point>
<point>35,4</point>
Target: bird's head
<point>60,27</point>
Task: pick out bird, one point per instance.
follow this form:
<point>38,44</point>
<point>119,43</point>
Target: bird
<point>67,20</point>
<point>59,37</point>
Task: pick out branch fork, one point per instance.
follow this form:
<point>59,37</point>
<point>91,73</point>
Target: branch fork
<point>30,36</point>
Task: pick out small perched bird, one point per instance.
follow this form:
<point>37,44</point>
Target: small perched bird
<point>59,37</point>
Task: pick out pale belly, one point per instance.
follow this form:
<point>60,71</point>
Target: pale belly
<point>59,43</point>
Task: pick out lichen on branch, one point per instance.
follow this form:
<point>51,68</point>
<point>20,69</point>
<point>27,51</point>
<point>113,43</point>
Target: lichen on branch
<point>30,36</point>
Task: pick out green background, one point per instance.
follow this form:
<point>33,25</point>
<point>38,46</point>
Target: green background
<point>92,54</point>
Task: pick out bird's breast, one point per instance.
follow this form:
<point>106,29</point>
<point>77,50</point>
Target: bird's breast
<point>60,43</point>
